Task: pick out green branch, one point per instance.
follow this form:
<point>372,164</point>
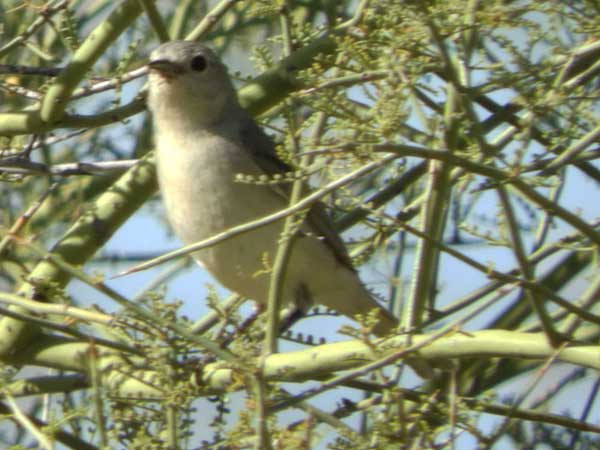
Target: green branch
<point>58,95</point>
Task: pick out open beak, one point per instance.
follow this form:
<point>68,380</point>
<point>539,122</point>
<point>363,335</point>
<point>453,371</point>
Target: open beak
<point>166,68</point>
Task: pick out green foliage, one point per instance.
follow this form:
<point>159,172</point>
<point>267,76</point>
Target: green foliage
<point>477,223</point>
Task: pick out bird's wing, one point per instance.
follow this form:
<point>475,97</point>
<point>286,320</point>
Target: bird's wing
<point>263,150</point>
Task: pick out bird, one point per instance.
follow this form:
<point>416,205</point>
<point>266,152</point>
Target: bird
<point>204,140</point>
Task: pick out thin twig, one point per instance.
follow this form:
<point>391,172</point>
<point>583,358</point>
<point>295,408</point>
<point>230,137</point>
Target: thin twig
<point>213,16</point>
<point>21,166</point>
<point>15,69</point>
<point>45,14</point>
<point>42,439</point>
<point>112,83</point>
<point>69,311</point>
<point>24,218</point>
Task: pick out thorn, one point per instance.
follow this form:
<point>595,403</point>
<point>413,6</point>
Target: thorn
<point>129,271</point>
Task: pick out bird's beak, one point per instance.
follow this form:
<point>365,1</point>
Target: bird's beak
<point>166,68</point>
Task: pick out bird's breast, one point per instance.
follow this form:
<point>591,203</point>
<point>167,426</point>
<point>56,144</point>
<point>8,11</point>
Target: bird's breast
<point>197,177</point>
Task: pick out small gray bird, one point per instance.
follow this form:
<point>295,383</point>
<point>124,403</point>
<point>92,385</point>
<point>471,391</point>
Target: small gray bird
<point>203,140</point>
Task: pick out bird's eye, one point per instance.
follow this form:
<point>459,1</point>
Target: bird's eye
<point>198,63</point>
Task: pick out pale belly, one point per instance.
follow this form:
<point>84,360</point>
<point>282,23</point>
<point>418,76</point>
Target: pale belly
<point>203,199</point>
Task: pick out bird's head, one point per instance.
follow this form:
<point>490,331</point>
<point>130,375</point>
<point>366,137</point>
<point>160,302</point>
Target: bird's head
<point>187,80</point>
